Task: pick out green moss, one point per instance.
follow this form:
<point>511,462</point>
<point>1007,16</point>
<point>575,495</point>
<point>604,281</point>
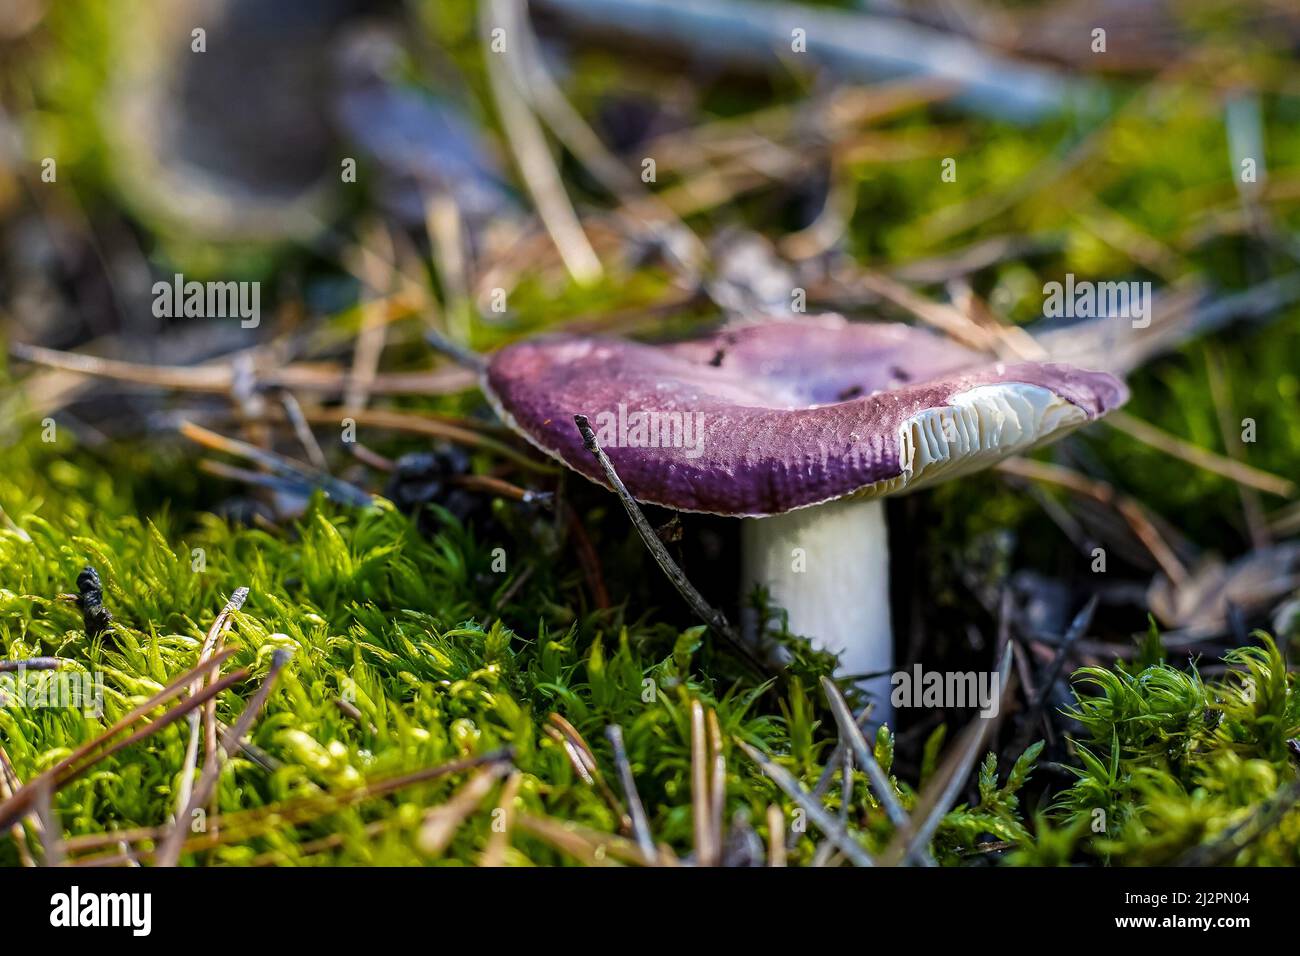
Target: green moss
<point>1171,764</point>
<point>401,625</point>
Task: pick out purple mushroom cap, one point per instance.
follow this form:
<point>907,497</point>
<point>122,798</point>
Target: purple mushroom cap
<point>766,418</point>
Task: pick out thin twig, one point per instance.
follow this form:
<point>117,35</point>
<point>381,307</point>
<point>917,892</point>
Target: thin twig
<point>710,615</point>
<point>839,111</point>
<point>440,823</point>
<point>585,763</point>
<point>52,846</point>
<point>293,411</point>
<point>1078,627</point>
<point>211,645</point>
<point>827,777</point>
<point>775,836</point>
<point>369,347</point>
<point>35,664</point>
<point>234,737</point>
<point>353,712</point>
<point>640,824</point>
<point>854,45</point>
<point>534,80</point>
<point>532,155</point>
<point>84,757</point>
<point>938,796</point>
<point>494,854</point>
<point>591,847</point>
<point>254,753</point>
<point>219,379</point>
<point>851,733</point>
<point>247,824</point>
<point>339,490</point>
<point>170,851</point>
<point>420,424</point>
<point>1221,397</point>
<point>1213,462</point>
<point>570,521</point>
<point>9,784</point>
<point>293,487</point>
<point>1131,510</point>
<point>706,851</point>
<point>321,845</point>
<point>846,787</point>
<point>818,814</point>
<point>489,485</point>
<point>717,780</point>
<point>445,228</point>
<point>828,228</point>
<point>462,355</point>
<point>371,458</point>
<point>945,318</point>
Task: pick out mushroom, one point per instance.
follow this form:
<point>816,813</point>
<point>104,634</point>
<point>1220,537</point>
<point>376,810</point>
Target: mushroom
<point>799,428</point>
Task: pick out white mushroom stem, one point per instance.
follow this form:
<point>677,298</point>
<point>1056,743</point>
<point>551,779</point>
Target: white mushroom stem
<point>828,566</point>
